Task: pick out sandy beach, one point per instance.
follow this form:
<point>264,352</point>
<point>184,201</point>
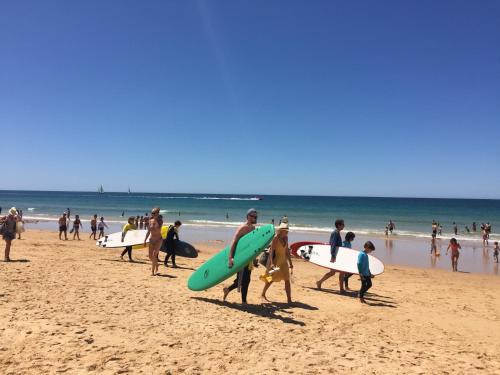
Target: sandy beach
<point>69,307</point>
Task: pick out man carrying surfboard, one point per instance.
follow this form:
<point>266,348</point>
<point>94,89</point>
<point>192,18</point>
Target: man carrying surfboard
<point>242,280</point>
<point>335,243</point>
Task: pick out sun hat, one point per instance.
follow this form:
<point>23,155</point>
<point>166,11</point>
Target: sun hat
<point>283,226</point>
<point>13,211</point>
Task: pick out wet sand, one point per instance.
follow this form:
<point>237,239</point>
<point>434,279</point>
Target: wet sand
<point>69,307</point>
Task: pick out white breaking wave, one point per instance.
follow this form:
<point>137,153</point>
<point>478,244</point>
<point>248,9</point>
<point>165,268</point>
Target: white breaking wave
<point>188,197</point>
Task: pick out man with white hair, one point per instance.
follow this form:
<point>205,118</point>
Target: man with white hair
<point>8,230</point>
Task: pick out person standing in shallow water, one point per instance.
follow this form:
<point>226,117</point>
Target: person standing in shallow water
<point>154,229</point>
<point>242,280</point>
<point>455,253</point>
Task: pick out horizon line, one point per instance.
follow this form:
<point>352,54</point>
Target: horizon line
<point>246,194</point>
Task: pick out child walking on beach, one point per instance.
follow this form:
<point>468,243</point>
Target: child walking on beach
<point>495,251</point>
<point>455,247</point>
<point>349,237</point>
<point>364,269</point>
<point>101,227</point>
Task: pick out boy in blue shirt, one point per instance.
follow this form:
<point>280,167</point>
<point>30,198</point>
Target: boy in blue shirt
<point>335,243</point>
<point>349,237</point>
<point>364,270</point>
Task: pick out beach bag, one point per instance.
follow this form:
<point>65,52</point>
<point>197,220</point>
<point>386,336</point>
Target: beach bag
<point>3,228</point>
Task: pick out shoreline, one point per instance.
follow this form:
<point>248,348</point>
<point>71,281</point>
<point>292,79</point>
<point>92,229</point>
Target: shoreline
<point>393,250</point>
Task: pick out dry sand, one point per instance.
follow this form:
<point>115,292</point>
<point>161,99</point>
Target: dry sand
<point>69,307</point>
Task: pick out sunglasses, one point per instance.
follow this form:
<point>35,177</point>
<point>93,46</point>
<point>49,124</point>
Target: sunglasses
<point>254,216</point>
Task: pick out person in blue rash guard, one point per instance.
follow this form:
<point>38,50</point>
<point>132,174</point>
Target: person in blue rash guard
<point>364,269</point>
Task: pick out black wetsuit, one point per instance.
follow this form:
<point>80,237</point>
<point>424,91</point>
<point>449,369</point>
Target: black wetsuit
<point>170,243</point>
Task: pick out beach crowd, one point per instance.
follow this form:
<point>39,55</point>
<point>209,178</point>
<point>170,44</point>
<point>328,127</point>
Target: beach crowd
<point>276,259</point>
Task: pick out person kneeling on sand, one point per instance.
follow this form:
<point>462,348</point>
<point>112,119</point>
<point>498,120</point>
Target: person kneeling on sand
<point>242,280</point>
<point>335,243</point>
<point>364,269</point>
<point>8,227</point>
<point>277,263</point>
<point>129,226</point>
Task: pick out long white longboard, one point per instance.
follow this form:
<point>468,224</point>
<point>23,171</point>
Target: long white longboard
<point>132,237</point>
<point>346,260</point>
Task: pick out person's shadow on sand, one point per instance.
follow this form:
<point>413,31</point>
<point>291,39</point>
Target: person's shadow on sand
<point>378,300</point>
<point>126,261</point>
<point>265,311</point>
<point>17,261</point>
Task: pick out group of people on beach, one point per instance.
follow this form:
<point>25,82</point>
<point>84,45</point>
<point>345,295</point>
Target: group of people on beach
<point>279,266</point>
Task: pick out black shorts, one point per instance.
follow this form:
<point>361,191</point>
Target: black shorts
<point>93,229</point>
<point>63,228</point>
<point>9,236</point>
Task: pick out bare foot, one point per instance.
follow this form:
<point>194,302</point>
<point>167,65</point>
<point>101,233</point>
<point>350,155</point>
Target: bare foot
<point>121,257</point>
<point>318,285</point>
<point>362,300</point>
<point>342,291</point>
<point>226,292</point>
<point>264,300</point>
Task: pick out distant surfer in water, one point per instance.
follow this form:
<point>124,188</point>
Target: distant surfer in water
<point>242,280</point>
<point>335,243</point>
<point>154,229</point>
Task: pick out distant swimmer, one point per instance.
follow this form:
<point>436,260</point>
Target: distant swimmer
<point>455,228</point>
<point>495,251</point>
<point>279,263</point>
<point>434,228</point>
<point>391,226</point>
<point>123,213</point>
<point>454,246</point>
<point>63,226</point>
<point>474,226</point>
<point>242,280</point>
<point>335,243</point>
<point>154,229</point>
<point>93,227</point>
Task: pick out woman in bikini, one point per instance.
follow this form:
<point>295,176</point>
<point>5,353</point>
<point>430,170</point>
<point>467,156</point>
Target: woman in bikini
<point>155,241</point>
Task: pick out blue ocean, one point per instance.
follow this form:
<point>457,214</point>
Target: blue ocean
<point>364,215</point>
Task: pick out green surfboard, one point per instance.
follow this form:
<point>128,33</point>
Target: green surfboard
<point>215,270</point>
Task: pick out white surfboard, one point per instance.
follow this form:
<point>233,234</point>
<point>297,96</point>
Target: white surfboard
<point>132,237</point>
<point>346,260</point>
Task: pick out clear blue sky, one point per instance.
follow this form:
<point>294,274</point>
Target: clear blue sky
<point>373,98</point>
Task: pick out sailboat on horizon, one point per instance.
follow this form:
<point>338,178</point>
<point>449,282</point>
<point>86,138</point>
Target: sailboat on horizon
<point>100,190</point>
